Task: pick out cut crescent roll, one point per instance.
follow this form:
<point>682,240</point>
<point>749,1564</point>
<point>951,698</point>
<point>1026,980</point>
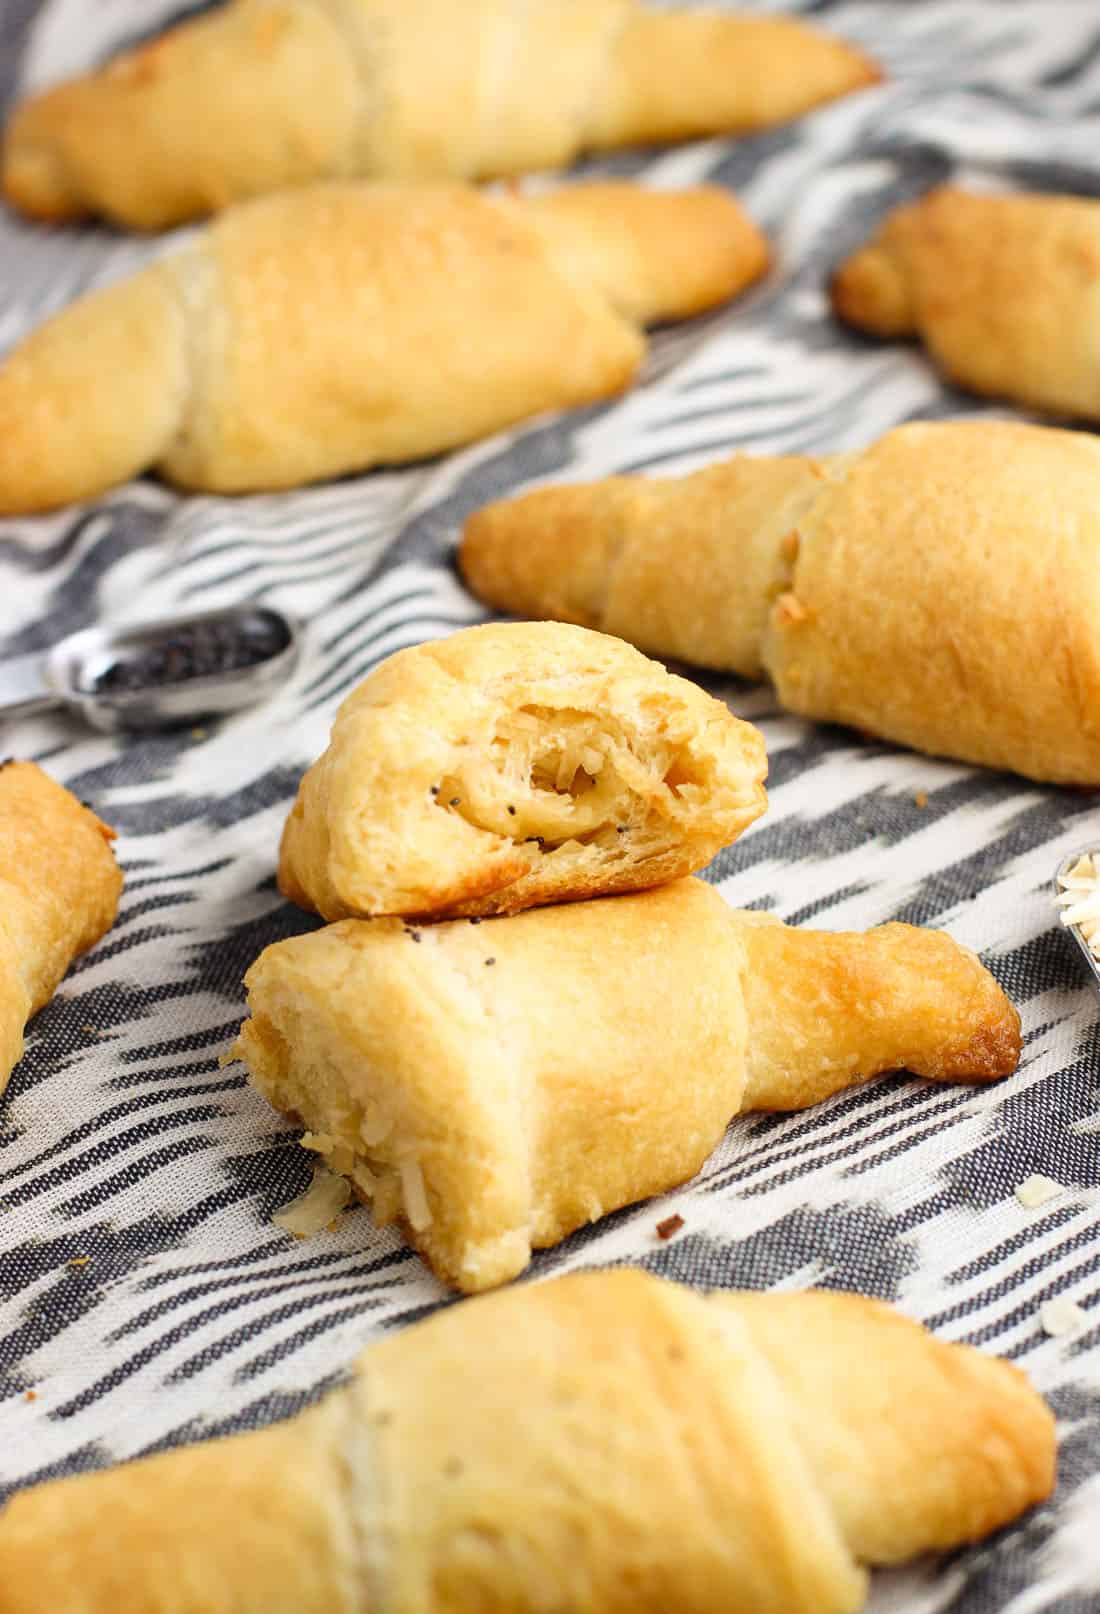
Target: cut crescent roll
<point>605,1443</point>
<point>325,331</point>
<point>499,1084</point>
<point>262,95</point>
<point>1002,290</point>
<point>940,589</point>
<point>59,891</point>
<point>513,765</point>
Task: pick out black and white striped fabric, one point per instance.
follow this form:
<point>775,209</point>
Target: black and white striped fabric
<point>121,1139</point>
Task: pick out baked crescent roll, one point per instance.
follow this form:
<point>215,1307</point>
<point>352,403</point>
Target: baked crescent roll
<point>324,331</point>
<point>513,765</point>
<point>263,95</point>
<point>604,1443</point>
<point>941,588</point>
<point>59,891</point>
<point>1000,289</point>
<point>499,1084</point>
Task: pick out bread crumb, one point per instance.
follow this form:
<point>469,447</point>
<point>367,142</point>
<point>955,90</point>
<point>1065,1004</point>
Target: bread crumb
<point>1036,1190</point>
<point>670,1225</point>
<point>32,1395</point>
<point>90,1031</point>
<point>1061,1316</point>
<point>920,799</point>
<point>79,1261</point>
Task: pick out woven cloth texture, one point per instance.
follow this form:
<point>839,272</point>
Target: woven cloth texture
<point>121,1138</point>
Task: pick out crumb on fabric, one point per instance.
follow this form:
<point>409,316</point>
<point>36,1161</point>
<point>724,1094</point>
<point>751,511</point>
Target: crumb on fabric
<point>1061,1316</point>
<point>1036,1190</point>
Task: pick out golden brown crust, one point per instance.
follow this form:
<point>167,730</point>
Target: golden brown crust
<point>827,1009</point>
<point>679,1451</point>
<point>601,554</point>
<point>91,396</point>
<point>653,254</point>
<point>972,632</point>
<point>324,331</point>
<point>148,142</point>
<point>263,95</point>
<point>683,76</point>
<point>940,589</point>
<point>513,765</point>
<point>1002,290</point>
<point>497,1086</point>
<point>59,891</point>
<point>264,1513</point>
<point>969,1443</point>
<point>534,1072</point>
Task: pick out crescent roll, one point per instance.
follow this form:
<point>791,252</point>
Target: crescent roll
<point>496,1085</point>
<point>262,95</point>
<point>59,891</point>
<point>324,331</point>
<point>940,589</point>
<point>604,1443</point>
<point>1001,290</point>
<point>512,765</point>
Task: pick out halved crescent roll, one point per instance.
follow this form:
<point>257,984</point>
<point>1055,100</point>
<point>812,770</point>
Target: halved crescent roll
<point>512,765</point>
<point>498,1084</point>
<point>59,891</point>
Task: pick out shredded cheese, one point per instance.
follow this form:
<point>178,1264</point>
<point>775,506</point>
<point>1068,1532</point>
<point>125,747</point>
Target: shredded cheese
<point>1079,899</point>
<point>1036,1190</point>
<point>1062,1316</point>
<point>318,1207</point>
<point>375,1127</point>
<point>417,1208</point>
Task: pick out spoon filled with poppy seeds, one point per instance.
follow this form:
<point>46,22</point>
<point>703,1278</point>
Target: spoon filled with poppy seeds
<point>158,674</point>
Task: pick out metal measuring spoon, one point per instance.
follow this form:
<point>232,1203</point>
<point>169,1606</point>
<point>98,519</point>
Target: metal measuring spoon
<point>155,674</point>
<point>1075,931</point>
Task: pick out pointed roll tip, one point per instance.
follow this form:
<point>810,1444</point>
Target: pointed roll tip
<point>993,1051</point>
<point>89,398</point>
<point>869,292</point>
<point>846,67</point>
<point>33,175</point>
<point>866,71</point>
<point>538,554</point>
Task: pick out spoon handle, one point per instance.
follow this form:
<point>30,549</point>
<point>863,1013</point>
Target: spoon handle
<point>24,686</point>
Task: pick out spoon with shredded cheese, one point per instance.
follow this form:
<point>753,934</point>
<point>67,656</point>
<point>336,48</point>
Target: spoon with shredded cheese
<point>1077,893</point>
